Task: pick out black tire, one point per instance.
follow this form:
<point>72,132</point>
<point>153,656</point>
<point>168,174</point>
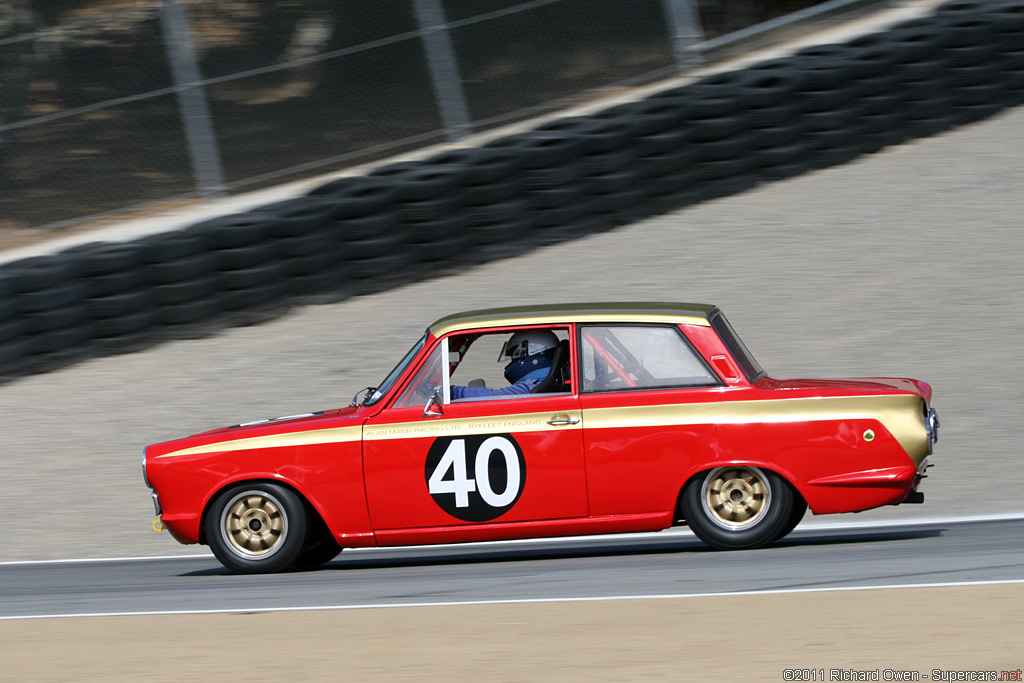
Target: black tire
<point>540,149</point>
<point>498,212</point>
<point>317,283</point>
<point>607,162</point>
<point>597,135</point>
<point>113,283</point>
<point>256,528</point>
<point>122,303</point>
<point>736,507</point>
<point>38,272</point>
<point>314,263</point>
<point>821,100</point>
<point>552,176</point>
<point>98,258</point>
<point>11,329</point>
<point>53,319</point>
<point>362,228</point>
<point>510,231</point>
<point>375,246</point>
<point>13,351</point>
<point>187,290</point>
<point>485,166</point>
<point>60,339</point>
<point>255,276</point>
<point>318,553</point>
<point>558,196</point>
<point>297,216</point>
<point>430,209</point>
<point>353,197</point>
<point>236,230</point>
<point>171,246</point>
<point>795,515</point>
<point>439,230</point>
<point>615,181</point>
<point>560,215</point>
<point>181,270</point>
<point>259,295</point>
<point>427,182</point>
<point>130,342</point>
<point>653,115</point>
<point>188,311</point>
<point>245,257</point>
<point>658,165</point>
<point>67,294</point>
<point>491,193</point>
<point>127,323</point>
<point>709,130</point>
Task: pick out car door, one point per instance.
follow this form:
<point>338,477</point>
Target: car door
<point>641,387</point>
<point>498,461</point>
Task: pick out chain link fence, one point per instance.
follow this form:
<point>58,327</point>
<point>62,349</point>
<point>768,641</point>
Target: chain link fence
<point>108,105</point>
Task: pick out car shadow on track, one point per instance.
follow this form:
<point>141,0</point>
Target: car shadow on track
<point>389,558</point>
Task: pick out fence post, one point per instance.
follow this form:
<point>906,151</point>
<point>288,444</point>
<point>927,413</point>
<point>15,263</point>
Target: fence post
<point>444,69</point>
<point>195,110</point>
<point>686,31</point>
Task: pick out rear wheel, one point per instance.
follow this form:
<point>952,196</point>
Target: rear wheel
<point>737,507</point>
<point>256,528</point>
<point>796,513</point>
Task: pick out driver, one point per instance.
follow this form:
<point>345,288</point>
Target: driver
<point>531,352</point>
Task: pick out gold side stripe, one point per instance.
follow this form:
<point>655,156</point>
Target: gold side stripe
<point>900,413</point>
<point>312,437</point>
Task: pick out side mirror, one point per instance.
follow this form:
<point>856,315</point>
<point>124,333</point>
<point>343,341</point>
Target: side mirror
<point>433,407</point>
<point>362,395</point>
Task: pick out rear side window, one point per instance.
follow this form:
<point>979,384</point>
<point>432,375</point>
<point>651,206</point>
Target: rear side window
<point>617,358</point>
<point>751,368</point>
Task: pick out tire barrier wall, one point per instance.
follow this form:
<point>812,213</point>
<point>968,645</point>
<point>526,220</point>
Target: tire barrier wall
<point>824,105</point>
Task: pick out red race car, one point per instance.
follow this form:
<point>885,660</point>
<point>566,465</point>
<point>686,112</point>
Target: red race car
<point>597,418</point>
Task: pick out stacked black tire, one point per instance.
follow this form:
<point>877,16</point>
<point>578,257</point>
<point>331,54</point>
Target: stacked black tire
<point>825,105</point>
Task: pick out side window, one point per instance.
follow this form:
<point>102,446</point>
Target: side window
<point>490,365</point>
<point>617,358</point>
<point>422,385</point>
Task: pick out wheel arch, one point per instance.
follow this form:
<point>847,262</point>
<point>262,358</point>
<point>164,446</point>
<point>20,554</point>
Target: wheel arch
<point>698,473</point>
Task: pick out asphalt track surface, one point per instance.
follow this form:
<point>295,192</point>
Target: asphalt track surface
<point>638,565</point>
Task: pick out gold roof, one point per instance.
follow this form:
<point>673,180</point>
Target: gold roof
<point>606,312</point>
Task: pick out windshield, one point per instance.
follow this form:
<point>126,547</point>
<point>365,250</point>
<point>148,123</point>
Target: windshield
<point>393,376</point>
<point>737,348</point>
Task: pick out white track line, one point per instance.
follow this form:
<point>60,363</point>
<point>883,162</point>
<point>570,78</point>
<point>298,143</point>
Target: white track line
<point>811,524</point>
<point>524,601</point>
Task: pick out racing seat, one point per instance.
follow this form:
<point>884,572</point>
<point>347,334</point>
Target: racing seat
<point>555,382</point>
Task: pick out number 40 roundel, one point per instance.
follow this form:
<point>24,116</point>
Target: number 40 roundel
<point>476,478</point>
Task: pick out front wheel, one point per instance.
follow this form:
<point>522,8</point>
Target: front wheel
<point>256,528</point>
<point>737,507</point>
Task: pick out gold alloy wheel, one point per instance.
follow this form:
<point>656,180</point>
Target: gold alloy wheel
<point>254,524</point>
<point>736,498</point>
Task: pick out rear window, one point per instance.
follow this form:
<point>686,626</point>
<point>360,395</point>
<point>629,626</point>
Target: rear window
<point>623,357</point>
<point>750,367</point>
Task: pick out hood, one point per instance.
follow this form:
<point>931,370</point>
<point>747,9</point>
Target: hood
<point>292,421</point>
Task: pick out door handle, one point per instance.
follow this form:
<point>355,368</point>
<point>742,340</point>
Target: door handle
<point>560,420</point>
